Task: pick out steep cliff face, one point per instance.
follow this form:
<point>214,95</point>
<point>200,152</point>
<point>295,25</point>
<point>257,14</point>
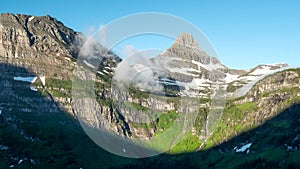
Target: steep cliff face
<point>46,48</point>
<point>30,47</point>
<point>41,44</point>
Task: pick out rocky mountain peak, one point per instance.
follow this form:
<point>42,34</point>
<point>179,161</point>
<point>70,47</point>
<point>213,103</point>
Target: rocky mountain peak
<point>186,47</point>
<point>35,33</point>
<point>26,40</point>
<point>44,45</point>
<point>186,40</point>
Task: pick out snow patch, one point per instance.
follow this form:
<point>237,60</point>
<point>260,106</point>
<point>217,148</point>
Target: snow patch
<point>106,67</point>
<point>31,18</point>
<point>68,59</point>
<point>105,71</point>
<point>43,80</point>
<point>243,149</point>
<point>248,78</point>
<point>33,89</point>
<point>201,82</point>
<point>168,83</point>
<point>243,90</point>
<point>230,78</point>
<point>261,71</point>
<point>88,64</point>
<point>20,161</point>
<point>167,80</point>
<point>209,66</point>
<point>100,73</point>
<point>185,71</point>
<point>26,79</point>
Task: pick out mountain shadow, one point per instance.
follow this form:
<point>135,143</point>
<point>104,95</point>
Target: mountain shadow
<point>35,132</point>
<point>274,144</point>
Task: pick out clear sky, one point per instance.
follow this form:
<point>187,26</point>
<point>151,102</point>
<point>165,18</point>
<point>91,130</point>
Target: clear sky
<point>245,33</point>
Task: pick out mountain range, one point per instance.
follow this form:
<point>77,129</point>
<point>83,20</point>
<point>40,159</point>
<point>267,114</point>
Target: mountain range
<point>258,121</point>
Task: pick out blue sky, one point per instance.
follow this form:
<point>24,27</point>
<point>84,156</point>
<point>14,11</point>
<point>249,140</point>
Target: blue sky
<point>244,33</point>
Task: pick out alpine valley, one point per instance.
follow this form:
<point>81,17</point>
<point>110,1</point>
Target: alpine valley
<point>256,112</point>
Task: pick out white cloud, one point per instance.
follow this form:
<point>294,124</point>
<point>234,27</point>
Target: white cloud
<point>138,69</point>
<point>128,50</point>
<point>102,35</point>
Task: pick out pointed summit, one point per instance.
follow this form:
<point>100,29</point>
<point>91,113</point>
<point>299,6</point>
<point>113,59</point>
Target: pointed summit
<point>187,48</point>
<point>186,40</point>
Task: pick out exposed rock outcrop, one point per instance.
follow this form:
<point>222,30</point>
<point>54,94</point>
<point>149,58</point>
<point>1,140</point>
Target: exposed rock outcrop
<point>41,44</point>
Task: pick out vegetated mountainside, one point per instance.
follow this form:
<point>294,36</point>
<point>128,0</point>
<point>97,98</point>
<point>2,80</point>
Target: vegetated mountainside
<point>275,144</point>
<point>264,101</point>
<point>259,130</point>
<point>36,115</point>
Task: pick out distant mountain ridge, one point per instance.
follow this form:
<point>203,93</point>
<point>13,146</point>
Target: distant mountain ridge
<point>28,39</point>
